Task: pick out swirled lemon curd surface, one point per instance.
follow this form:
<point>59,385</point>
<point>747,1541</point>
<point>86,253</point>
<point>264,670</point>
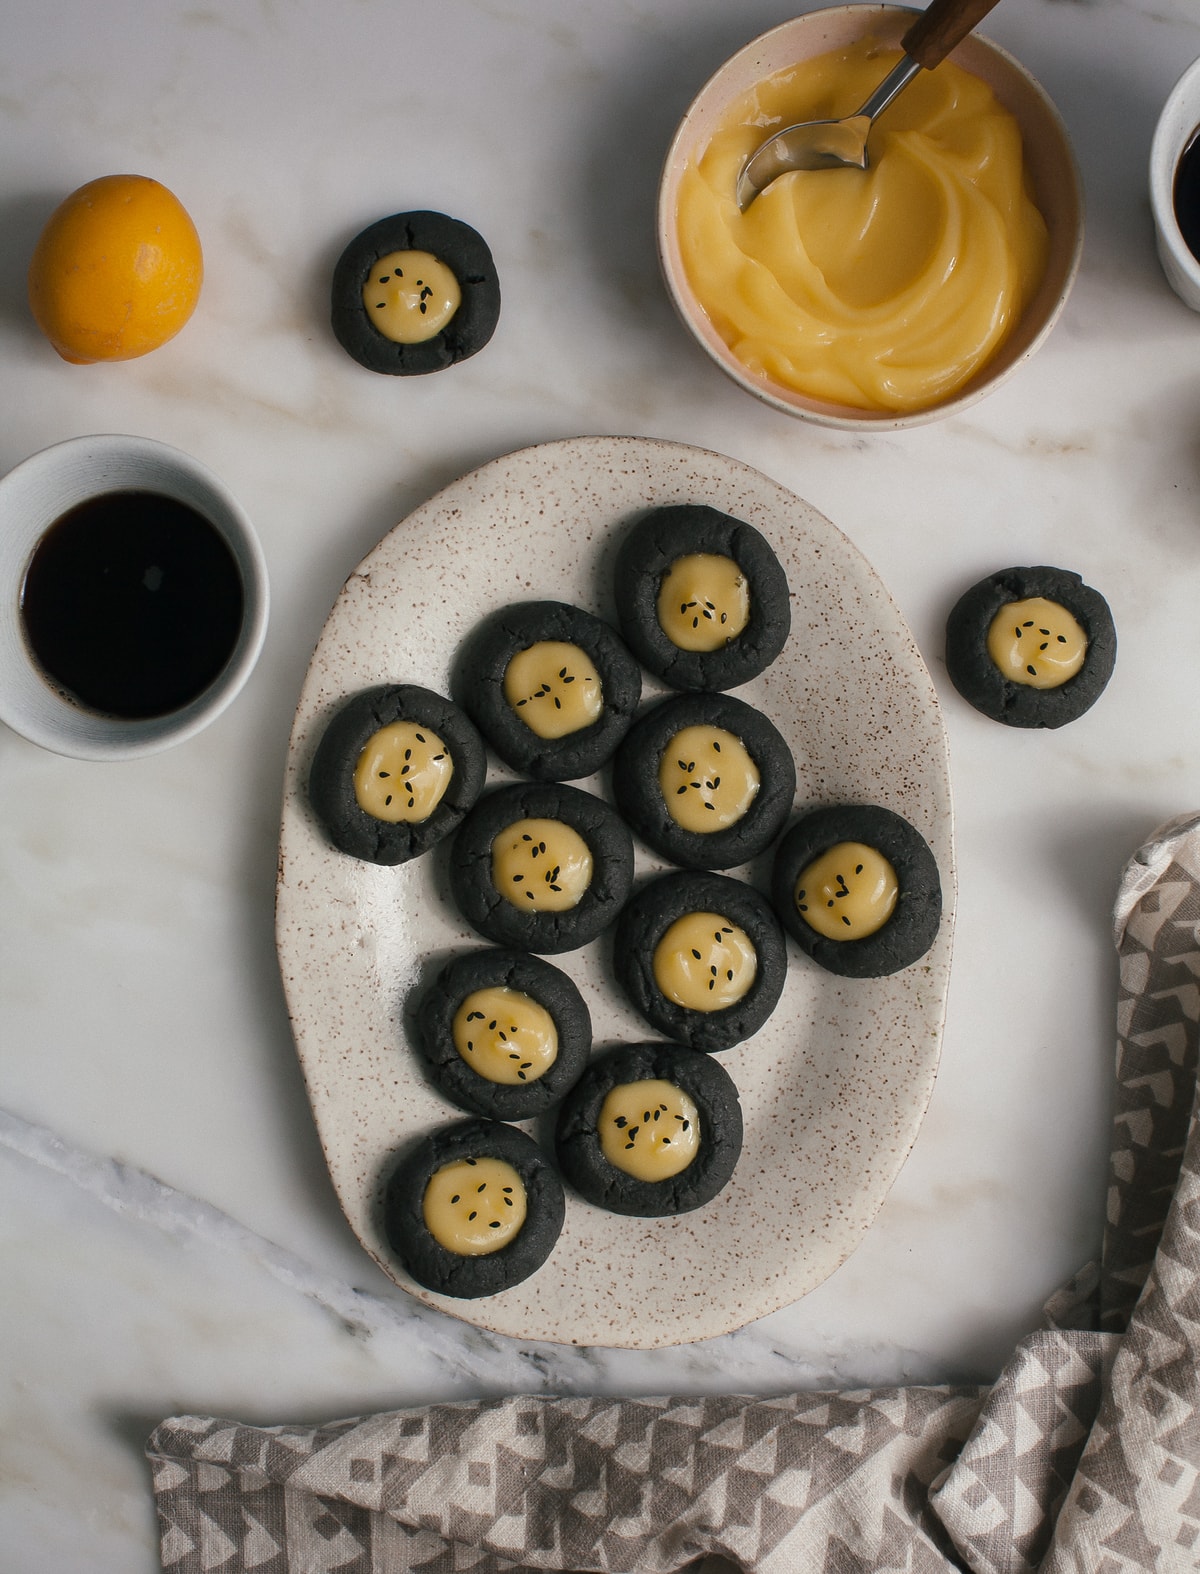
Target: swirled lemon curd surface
<point>880,289</point>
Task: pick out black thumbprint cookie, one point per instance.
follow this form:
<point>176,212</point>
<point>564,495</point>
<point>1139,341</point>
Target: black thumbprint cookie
<point>473,1209</point>
<point>541,867</point>
<point>702,599</point>
<point>857,886</point>
<point>650,1129</point>
<point>414,293</point>
<point>395,771</point>
<point>552,688</point>
<point>503,1034</point>
<point>702,958</point>
<point>705,779</point>
<point>1031,647</point>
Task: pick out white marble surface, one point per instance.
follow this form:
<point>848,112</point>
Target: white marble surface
<point>170,1237</point>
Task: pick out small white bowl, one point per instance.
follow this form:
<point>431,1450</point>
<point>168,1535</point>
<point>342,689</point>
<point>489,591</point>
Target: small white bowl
<point>40,491</point>
<point>1049,160</point>
<point>1177,125</point>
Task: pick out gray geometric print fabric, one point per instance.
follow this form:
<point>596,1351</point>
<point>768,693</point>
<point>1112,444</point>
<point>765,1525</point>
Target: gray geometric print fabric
<point>532,1483</point>
<point>1134,1503</point>
<point>1081,1459</point>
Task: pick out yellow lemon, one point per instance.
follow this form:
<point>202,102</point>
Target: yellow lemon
<point>117,270</point>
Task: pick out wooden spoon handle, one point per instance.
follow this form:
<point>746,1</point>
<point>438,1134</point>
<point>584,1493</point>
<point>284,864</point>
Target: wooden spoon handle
<point>942,25</point>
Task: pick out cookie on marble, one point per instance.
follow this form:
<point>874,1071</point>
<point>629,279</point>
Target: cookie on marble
<point>857,887</point>
<point>541,867</point>
<point>1031,647</point>
<point>650,1130</point>
<point>702,599</point>
<point>552,688</point>
<point>473,1209</point>
<point>503,1034</point>
<point>705,779</point>
<point>415,293</point>
<point>701,957</point>
<point>396,770</point>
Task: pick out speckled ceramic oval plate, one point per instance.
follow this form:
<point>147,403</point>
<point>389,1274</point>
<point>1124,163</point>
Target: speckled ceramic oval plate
<point>833,1088</point>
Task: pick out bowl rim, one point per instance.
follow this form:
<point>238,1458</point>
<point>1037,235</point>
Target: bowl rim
<point>1066,230</point>
<point>41,489</point>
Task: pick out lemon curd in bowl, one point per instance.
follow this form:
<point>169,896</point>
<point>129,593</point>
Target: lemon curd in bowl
<point>887,296</point>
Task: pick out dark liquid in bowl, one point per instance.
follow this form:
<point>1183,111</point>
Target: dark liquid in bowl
<point>1186,195</point>
<point>132,603</point>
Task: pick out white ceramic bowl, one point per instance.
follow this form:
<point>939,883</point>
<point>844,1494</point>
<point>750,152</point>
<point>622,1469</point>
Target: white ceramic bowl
<point>1049,159</point>
<point>1177,125</point>
<point>41,490</point>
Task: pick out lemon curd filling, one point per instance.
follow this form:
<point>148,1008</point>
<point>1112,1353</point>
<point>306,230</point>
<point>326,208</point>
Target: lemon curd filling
<point>542,865</point>
<point>410,296</point>
<point>554,688</point>
<point>402,773</point>
<point>705,963</point>
<point>848,893</point>
<point>1037,642</point>
<point>507,1036</point>
<point>879,289</point>
<point>474,1206</point>
<point>708,779</point>
<point>703,601</point>
<point>649,1129</point>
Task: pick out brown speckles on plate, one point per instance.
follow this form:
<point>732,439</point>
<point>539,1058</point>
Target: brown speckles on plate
<point>833,1088</point>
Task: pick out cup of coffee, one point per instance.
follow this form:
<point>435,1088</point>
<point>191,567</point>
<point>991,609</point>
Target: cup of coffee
<point>133,597</point>
<point>1175,187</point>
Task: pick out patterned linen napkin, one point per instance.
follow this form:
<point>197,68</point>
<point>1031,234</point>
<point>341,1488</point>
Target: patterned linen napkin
<point>1083,1458</point>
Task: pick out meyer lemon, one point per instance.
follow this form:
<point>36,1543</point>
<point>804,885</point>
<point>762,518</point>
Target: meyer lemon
<point>117,270</point>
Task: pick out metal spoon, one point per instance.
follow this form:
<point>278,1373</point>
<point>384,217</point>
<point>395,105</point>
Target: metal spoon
<point>829,144</point>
